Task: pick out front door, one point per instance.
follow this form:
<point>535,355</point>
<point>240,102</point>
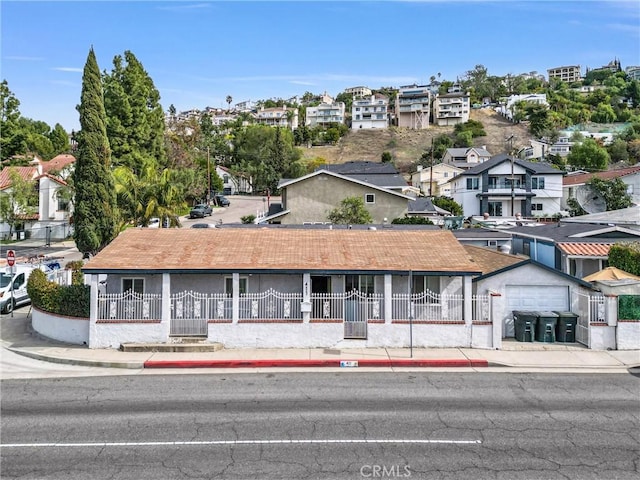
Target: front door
<point>321,284</point>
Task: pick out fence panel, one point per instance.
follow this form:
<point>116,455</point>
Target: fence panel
<point>129,306</point>
<point>480,310</point>
<point>327,306</point>
<point>270,305</point>
<point>427,306</point>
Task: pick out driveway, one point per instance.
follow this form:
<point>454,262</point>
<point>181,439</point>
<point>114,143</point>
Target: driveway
<point>241,205</point>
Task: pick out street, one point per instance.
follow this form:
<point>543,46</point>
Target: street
<point>323,426</point>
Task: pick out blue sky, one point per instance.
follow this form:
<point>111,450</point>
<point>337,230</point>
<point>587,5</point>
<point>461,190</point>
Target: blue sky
<point>198,52</point>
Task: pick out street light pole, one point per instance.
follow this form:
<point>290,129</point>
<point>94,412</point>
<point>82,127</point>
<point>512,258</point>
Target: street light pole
<point>208,176</point>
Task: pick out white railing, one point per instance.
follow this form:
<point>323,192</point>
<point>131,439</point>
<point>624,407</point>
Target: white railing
<point>191,311</point>
<point>327,306</point>
<point>129,306</point>
<point>427,306</point>
<point>480,309</point>
<point>270,305</point>
<point>596,309</point>
<point>60,276</point>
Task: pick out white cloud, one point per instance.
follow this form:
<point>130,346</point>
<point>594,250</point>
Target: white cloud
<point>67,69</point>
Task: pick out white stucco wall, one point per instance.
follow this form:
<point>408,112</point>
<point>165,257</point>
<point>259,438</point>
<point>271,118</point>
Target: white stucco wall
<point>602,337</point>
<point>64,329</point>
<point>112,335</point>
<point>628,335</point>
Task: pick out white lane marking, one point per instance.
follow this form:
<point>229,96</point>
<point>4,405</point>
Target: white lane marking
<point>234,442</point>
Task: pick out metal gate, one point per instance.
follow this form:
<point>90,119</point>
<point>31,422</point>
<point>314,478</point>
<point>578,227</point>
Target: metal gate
<point>189,314</point>
<point>358,308</point>
<point>590,308</point>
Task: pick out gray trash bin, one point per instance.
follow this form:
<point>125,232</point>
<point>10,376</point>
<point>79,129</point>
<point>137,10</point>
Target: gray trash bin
<point>524,323</point>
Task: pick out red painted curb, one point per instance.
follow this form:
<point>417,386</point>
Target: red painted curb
<point>313,363</point>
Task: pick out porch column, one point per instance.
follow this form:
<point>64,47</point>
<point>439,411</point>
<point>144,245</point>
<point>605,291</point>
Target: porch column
<point>166,306</point>
<point>388,295</point>
<point>306,298</point>
<point>611,310</point>
<point>93,311</point>
<point>235,297</point>
<point>467,300</point>
<point>495,306</point>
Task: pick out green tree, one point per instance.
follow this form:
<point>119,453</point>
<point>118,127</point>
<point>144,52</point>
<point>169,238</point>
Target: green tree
<point>407,220</point>
<point>448,204</point>
<point>463,139</point>
<point>18,201</point>
<point>603,114</point>
<point>614,192</point>
<point>229,100</point>
<point>95,214</point>
<point>386,157</point>
<point>12,139</point>
<point>135,119</point>
<point>59,140</point>
<point>618,151</point>
<point>589,156</point>
<point>350,212</point>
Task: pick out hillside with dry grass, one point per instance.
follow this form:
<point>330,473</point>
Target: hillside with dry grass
<point>406,146</point>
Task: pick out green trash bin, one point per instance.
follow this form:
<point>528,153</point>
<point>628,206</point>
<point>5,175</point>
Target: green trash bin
<point>524,322</point>
<point>546,327</point>
<point>566,327</point>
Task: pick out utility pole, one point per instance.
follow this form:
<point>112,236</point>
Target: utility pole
<point>513,180</point>
<point>208,177</point>
<point>431,173</point>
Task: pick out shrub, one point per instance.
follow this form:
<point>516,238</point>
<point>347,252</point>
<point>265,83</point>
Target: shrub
<point>71,300</point>
<point>406,220</point>
<point>629,307</point>
<point>626,256</point>
<point>247,219</point>
<point>77,277</point>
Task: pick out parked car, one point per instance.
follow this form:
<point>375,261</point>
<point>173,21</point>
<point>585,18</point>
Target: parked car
<point>200,211</point>
<point>202,225</point>
<point>221,201</point>
<point>13,288</point>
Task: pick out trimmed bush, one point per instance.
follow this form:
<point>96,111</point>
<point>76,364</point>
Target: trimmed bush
<point>71,300</point>
<point>626,256</point>
<point>629,307</point>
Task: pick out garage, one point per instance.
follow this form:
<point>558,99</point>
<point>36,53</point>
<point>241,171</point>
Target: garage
<point>534,297</point>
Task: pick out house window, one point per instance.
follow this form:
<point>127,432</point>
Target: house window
<point>361,283</point>
<point>425,283</point>
<point>370,198</point>
<point>473,184</point>
<point>225,178</point>
<point>537,183</point>
<point>495,209</point>
<point>536,206</point>
<point>63,204</point>
<point>228,285</point>
<point>445,174</point>
<point>135,285</point>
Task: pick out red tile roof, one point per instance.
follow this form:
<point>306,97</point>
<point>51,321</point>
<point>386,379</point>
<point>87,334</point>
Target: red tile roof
<point>239,249</point>
<point>585,177</point>
<point>57,163</point>
<point>585,249</point>
<point>27,173</point>
<point>489,260</point>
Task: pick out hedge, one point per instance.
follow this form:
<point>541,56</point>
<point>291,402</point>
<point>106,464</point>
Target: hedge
<point>626,256</point>
<point>69,300</point>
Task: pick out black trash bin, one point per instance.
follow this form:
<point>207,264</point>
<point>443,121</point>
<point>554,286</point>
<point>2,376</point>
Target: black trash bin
<point>524,322</point>
<point>546,327</point>
<point>566,327</point>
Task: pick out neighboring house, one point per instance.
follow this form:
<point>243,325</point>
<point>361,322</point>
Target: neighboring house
<point>465,158</point>
<point>630,176</point>
<point>569,73</point>
<point>624,217</point>
<point>231,184</point>
<point>573,248</point>
<point>246,106</point>
<point>358,91</point>
<point>370,112</point>
<point>506,186</point>
<point>483,237</point>
<point>633,72</point>
<point>52,219</point>
<point>413,106</point>
<point>451,108</point>
<point>381,174</point>
<point>309,199</point>
<point>435,181</point>
<point>325,114</point>
<point>424,207</point>
<point>284,117</point>
<point>528,285</point>
<point>511,106</point>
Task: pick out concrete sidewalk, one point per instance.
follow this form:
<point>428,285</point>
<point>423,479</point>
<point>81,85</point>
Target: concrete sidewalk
<point>17,336</point>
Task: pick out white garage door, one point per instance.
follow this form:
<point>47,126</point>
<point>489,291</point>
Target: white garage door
<point>534,297</point>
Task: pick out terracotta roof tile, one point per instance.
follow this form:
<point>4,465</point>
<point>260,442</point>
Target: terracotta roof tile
<point>283,249</point>
<point>27,173</point>
<point>488,260</point>
<point>585,249</point>
<point>609,174</point>
<point>57,163</point>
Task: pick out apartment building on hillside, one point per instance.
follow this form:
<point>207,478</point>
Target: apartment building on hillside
<point>569,74</point>
<point>278,117</point>
<point>370,112</point>
<point>413,105</point>
<point>325,114</point>
<point>452,107</point>
<point>358,91</point>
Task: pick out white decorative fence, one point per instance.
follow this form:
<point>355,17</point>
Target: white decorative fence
<point>480,309</point>
<point>270,305</point>
<point>129,306</point>
<point>427,306</point>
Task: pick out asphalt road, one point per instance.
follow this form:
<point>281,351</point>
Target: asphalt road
<point>323,426</point>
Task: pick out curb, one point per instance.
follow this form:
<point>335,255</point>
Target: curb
<point>314,363</point>
<point>77,362</point>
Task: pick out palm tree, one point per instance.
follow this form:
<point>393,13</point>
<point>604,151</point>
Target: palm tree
<point>229,100</point>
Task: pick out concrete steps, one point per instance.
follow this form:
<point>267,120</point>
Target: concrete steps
<point>184,344</point>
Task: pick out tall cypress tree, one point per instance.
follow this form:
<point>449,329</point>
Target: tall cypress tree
<point>95,208</point>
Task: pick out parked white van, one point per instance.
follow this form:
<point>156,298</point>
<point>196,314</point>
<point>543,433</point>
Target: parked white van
<point>16,282</point>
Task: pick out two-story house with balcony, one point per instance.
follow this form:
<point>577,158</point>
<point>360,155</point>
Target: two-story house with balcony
<point>506,186</point>
<point>413,105</point>
<point>284,116</point>
<point>325,114</point>
<point>451,108</point>
<point>568,73</point>
<point>513,103</point>
<point>369,112</point>
<point>359,91</point>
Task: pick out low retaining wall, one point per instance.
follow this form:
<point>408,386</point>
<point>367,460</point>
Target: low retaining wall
<point>112,334</point>
<point>73,330</point>
<point>628,334</point>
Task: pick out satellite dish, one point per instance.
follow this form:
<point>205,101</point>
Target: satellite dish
<point>590,200</point>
